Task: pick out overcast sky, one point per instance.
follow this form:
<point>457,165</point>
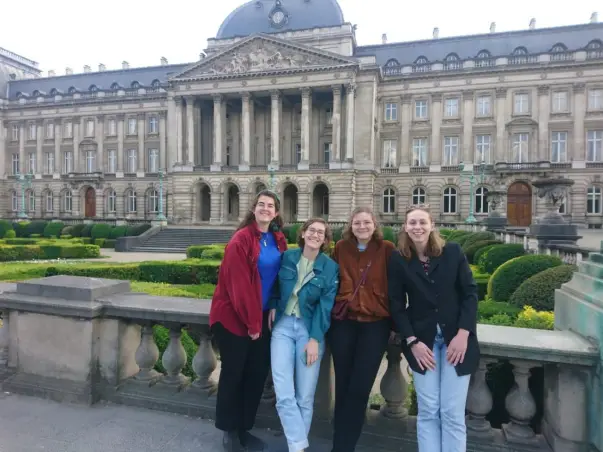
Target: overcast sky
<point>65,33</point>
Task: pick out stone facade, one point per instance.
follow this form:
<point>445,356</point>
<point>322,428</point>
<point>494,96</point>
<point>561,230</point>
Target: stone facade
<point>328,124</point>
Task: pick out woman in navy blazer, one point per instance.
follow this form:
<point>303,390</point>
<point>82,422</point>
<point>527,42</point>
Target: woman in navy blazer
<point>433,302</point>
<point>307,282</point>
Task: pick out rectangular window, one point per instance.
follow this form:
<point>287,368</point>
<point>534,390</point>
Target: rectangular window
<point>419,152</point>
<point>329,116</point>
<point>111,128</point>
<point>389,153</point>
<point>520,149</point>
<point>451,151</point>
<point>298,153</point>
<point>421,109</point>
<point>594,150</point>
<point>68,130</point>
<point>326,154</point>
<point>49,130</point>
<point>521,104</point>
<point>153,161</point>
<point>90,161</point>
<point>15,132</point>
<point>595,99</point>
<point>452,108</point>
<point>132,160</point>
<point>68,162</point>
<point>31,163</point>
<point>593,200</point>
<point>48,162</point>
<point>391,111</point>
<point>15,164</point>
<point>131,126</point>
<point>482,148</point>
<point>560,103</point>
<point>559,147</point>
<point>153,125</point>
<point>49,202</point>
<point>112,161</point>
<point>31,131</point>
<point>484,106</point>
<point>90,127</point>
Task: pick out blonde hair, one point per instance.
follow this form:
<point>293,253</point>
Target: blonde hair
<point>435,243</point>
<point>328,234</point>
<point>349,235</point>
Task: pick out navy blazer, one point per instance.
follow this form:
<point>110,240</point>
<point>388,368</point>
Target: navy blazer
<point>446,295</point>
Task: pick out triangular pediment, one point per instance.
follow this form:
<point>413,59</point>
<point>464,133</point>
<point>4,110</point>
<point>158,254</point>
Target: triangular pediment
<point>261,54</point>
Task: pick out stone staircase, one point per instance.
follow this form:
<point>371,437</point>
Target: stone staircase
<point>177,240</point>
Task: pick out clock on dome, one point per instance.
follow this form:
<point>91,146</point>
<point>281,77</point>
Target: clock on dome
<point>278,15</point>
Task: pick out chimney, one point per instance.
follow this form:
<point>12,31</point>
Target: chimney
<point>102,67</point>
<point>436,33</point>
<point>86,69</point>
<point>493,27</point>
<point>68,71</point>
<point>532,24</point>
<point>125,65</point>
<point>51,73</point>
<point>164,61</point>
<point>594,18</point>
<point>384,38</point>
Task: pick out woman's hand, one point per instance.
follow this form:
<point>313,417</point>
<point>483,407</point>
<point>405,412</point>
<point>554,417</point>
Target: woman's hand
<point>424,356</point>
<point>254,337</point>
<point>311,350</point>
<point>271,317</point>
<point>457,348</point>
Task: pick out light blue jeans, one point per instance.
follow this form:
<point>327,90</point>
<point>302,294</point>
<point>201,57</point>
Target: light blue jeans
<point>442,397</point>
<point>294,382</point>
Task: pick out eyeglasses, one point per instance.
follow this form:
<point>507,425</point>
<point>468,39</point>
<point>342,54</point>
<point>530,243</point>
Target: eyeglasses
<point>412,207</point>
<point>313,231</point>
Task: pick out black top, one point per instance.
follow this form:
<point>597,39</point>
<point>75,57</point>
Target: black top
<point>445,293</point>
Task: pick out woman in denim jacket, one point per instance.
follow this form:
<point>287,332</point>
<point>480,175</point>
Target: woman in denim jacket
<point>308,281</point>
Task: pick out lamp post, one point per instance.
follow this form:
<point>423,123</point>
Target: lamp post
<point>160,215</point>
<point>272,182</point>
<point>24,182</point>
<point>471,176</point>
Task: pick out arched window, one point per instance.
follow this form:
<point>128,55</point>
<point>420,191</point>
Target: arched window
<point>594,44</point>
<point>392,62</point>
<point>153,201</point>
<point>421,65</point>
<point>418,196</point>
<point>30,199</point>
<point>520,51</point>
<point>135,85</point>
<point>594,49</point>
<point>155,83</point>
<point>450,204</point>
<point>115,86</point>
<point>593,200</point>
<point>389,200</point>
<point>481,200</point>
<point>48,201</point>
<point>72,90</point>
<point>36,93</point>
<point>54,92</point>
<point>111,202</point>
<point>421,60</point>
<point>14,199</point>
<point>483,54</point>
<point>67,201</point>
<point>93,88</point>
<point>452,62</point>
<point>131,201</point>
<point>558,48</point>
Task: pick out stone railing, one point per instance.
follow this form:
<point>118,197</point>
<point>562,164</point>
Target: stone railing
<point>86,339</point>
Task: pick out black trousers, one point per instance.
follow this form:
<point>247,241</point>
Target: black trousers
<point>245,366</point>
<point>357,349</point>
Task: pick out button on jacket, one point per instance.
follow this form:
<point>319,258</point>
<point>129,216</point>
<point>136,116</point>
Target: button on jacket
<point>445,295</point>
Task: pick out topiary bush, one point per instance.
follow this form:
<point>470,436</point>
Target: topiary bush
<point>477,237</point>
<point>100,231</point>
<point>509,276</point>
<point>53,229</point>
<point>458,236</point>
<point>481,251</point>
<point>5,226</point>
<point>292,237</point>
<point>498,255</point>
<point>389,234</point>
<point>538,291</point>
<point>474,247</point>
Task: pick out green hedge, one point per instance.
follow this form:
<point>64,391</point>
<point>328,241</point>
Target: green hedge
<point>191,271</point>
<point>199,251</point>
<point>538,291</point>
<point>474,247</point>
<point>49,229</point>
<point>509,276</point>
<point>498,255</point>
<point>39,252</point>
<point>475,237</point>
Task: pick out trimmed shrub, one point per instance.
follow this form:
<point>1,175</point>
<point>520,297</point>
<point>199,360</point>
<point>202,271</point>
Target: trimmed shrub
<point>337,234</point>
<point>213,254</point>
<point>530,318</point>
<point>481,251</point>
<point>538,291</point>
<point>180,272</point>
<point>36,227</point>
<point>5,226</point>
<point>292,237</point>
<point>47,251</point>
<point>53,229</point>
<point>474,247</point>
<point>196,251</point>
<point>498,255</point>
<point>20,228</point>
<point>118,232</point>
<point>482,286</point>
<point>389,234</point>
<point>486,309</point>
<point>129,271</point>
<point>100,231</point>
<point>509,276</point>
<point>478,237</point>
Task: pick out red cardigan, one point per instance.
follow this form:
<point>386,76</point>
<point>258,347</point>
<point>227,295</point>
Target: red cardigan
<point>237,300</point>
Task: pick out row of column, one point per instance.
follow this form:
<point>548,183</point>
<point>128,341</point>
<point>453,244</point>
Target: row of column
<point>78,127</point>
<point>501,151</point>
<point>248,115</point>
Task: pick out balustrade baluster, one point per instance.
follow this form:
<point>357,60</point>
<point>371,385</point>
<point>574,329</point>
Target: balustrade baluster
<point>520,405</point>
<point>205,362</point>
<point>174,359</point>
<point>146,356</point>
<point>479,402</point>
<point>394,388</point>
<point>4,340</point>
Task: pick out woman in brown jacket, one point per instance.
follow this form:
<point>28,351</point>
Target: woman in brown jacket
<point>361,323</point>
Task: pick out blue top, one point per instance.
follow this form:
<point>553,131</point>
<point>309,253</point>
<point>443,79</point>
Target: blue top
<point>268,265</point>
<point>316,296</point>
<point>361,247</point>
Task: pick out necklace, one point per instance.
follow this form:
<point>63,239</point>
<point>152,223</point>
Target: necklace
<point>264,240</point>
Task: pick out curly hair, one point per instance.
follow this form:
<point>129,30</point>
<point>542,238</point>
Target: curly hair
<point>328,234</point>
<point>349,235</point>
<point>276,224</point>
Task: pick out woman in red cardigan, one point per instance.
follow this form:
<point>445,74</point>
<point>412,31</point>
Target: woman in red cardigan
<point>239,319</point>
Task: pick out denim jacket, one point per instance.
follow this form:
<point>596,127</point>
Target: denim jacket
<point>316,296</point>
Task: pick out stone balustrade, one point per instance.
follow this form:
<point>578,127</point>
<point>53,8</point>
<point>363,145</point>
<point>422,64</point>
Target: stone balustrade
<point>87,339</point>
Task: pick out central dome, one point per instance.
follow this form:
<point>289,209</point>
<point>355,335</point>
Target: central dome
<point>272,16</point>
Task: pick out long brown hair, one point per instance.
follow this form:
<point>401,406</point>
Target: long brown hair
<point>349,235</point>
<point>435,243</point>
<point>328,234</point>
<point>276,224</point>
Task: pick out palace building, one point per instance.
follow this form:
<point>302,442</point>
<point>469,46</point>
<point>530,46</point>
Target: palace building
<point>284,97</point>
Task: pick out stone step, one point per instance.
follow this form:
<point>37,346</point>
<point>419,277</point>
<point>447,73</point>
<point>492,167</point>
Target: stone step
<point>159,250</point>
<point>591,268</point>
<point>178,240</point>
<point>586,287</point>
<point>596,257</point>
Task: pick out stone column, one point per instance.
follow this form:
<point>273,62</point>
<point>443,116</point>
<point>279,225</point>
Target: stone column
<point>22,156</point>
<point>275,130</point>
<point>306,115</point>
<point>543,153</point>
<point>141,160</point>
<point>120,145</point>
<point>190,132</point>
<point>3,156</point>
<point>77,130</point>
<point>58,136</point>
<point>39,147</point>
<point>405,146</point>
<point>100,140</point>
<point>468,114</point>
<point>500,151</point>
<point>218,134</point>
<point>162,141</point>
<point>179,138</point>
<point>579,110</point>
<point>336,123</point>
<point>350,119</point>
<point>246,138</point>
<point>435,152</point>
